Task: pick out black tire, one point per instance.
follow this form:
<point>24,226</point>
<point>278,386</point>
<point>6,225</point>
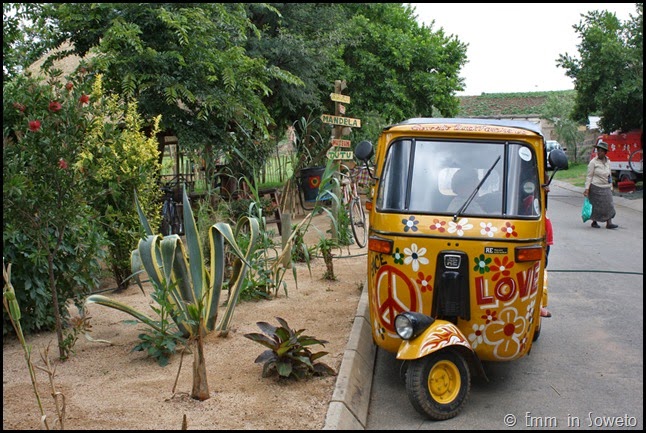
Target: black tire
<point>178,221</point>
<point>438,385</point>
<point>537,332</point>
<point>166,222</point>
<point>358,222</point>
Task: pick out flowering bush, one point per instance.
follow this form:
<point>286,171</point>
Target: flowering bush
<point>72,159</point>
<point>50,232</point>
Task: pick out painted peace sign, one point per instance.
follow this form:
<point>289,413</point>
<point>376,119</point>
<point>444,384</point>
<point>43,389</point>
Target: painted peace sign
<point>394,294</point>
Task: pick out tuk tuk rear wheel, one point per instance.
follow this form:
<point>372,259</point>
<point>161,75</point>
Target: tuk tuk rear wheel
<point>438,385</point>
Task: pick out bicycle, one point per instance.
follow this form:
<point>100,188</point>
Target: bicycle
<point>352,202</point>
<point>636,161</point>
<point>172,221</point>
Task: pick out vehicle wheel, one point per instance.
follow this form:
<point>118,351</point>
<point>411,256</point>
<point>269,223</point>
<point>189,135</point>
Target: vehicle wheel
<point>537,333</point>
<point>166,224</point>
<point>438,385</point>
<point>358,222</point>
<point>178,227</point>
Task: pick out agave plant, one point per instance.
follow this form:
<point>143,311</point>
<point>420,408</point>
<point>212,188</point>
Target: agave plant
<point>288,353</point>
<point>193,290</point>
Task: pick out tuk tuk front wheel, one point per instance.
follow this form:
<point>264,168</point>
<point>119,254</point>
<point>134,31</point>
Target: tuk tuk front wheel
<point>537,333</point>
<point>438,385</point>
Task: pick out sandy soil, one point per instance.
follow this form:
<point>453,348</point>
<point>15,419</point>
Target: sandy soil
<point>109,387</point>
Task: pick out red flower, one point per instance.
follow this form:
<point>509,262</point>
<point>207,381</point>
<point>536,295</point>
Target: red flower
<point>20,107</point>
<point>34,125</point>
<point>69,86</point>
<point>62,164</point>
<point>55,106</point>
<point>84,99</point>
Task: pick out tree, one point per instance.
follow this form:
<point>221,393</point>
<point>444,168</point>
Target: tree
<point>608,75</point>
<point>49,232</point>
<point>184,61</point>
<point>557,109</point>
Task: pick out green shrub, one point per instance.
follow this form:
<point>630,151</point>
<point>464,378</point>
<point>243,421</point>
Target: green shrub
<point>288,354</point>
<point>51,233</point>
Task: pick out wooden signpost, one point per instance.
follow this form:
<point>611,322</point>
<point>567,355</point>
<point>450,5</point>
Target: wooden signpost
<point>340,148</point>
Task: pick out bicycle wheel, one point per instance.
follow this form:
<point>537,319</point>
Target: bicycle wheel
<point>358,222</point>
<point>636,161</point>
<point>166,222</point>
<point>178,226</point>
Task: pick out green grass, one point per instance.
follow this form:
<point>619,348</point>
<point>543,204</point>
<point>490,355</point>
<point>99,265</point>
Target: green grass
<point>574,175</point>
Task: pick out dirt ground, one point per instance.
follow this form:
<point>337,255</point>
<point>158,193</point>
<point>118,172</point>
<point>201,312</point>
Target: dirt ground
<point>106,386</point>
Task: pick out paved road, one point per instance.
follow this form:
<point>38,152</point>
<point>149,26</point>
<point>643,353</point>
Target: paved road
<point>587,367</point>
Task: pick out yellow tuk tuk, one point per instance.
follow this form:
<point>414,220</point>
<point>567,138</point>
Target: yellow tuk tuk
<point>456,249</point>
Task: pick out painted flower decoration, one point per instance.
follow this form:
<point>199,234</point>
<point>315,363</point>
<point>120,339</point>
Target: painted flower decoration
<point>476,336</point>
<point>509,230</point>
<point>505,334</point>
<point>399,257</point>
<point>482,264</point>
<point>415,257</point>
<point>84,99</point>
<point>438,225</point>
<point>34,125</point>
<point>69,86</point>
<point>489,316</point>
<point>460,227</point>
<point>487,229</point>
<point>55,106</point>
<point>62,164</point>
<point>501,267</point>
<point>410,224</point>
<point>424,282</point>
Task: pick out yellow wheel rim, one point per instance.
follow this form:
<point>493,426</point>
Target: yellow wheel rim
<point>444,382</point>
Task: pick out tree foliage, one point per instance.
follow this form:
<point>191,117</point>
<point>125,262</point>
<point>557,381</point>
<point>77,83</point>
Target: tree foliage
<point>609,72</point>
<point>227,76</point>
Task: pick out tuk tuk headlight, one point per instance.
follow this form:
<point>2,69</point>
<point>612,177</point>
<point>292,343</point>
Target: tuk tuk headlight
<point>410,324</point>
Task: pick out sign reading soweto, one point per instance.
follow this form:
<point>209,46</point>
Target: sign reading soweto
<point>343,121</point>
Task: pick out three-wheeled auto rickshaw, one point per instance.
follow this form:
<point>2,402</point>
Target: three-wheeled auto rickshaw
<point>456,260</point>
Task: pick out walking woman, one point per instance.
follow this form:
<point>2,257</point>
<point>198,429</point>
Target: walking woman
<point>598,188</point>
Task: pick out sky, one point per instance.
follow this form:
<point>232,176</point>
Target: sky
<point>513,47</point>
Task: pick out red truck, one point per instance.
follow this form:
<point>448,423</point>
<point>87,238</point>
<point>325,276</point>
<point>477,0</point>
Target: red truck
<point>625,151</point>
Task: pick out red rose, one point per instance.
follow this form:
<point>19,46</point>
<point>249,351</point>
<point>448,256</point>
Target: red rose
<point>69,86</point>
<point>62,164</point>
<point>55,106</point>
<point>20,107</point>
<point>34,125</point>
<point>84,99</point>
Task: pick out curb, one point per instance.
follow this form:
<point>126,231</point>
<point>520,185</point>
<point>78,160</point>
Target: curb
<point>634,204</point>
<point>348,409</point>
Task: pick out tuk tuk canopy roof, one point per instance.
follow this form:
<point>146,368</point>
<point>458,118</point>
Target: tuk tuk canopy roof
<point>522,124</point>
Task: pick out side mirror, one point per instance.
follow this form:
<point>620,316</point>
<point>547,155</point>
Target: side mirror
<point>558,159</point>
<point>364,150</point>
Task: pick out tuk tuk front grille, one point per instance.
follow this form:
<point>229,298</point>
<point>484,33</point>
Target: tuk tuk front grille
<point>451,299</point>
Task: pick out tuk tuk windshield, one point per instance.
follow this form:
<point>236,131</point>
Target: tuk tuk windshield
<point>438,177</point>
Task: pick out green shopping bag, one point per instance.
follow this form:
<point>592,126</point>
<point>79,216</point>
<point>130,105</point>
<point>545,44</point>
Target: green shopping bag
<point>586,210</point>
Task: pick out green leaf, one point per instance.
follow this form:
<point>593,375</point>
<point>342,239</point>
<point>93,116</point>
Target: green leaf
<point>108,302</point>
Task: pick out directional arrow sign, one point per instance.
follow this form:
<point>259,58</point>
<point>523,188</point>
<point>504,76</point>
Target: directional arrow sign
<point>342,121</point>
<point>336,142</point>
<point>340,154</point>
<point>337,97</point>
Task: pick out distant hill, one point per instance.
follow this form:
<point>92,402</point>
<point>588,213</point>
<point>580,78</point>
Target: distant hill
<point>506,104</point>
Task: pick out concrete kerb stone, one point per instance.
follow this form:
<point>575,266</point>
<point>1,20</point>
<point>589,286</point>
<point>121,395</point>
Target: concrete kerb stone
<point>635,204</point>
<point>348,408</point>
